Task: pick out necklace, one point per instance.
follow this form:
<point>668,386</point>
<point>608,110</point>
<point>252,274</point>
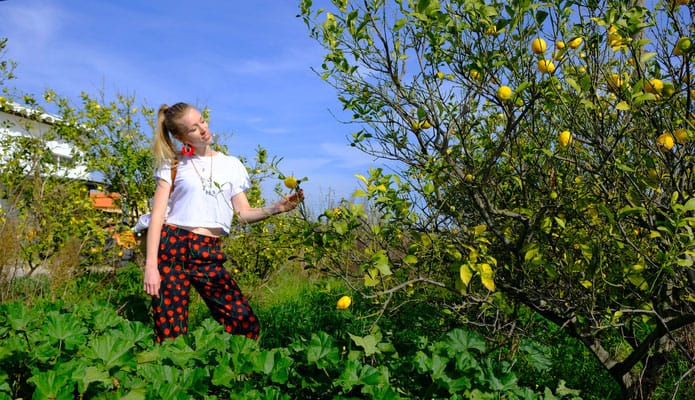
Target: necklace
<point>208,184</point>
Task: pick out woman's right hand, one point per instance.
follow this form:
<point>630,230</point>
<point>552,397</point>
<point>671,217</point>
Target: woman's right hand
<point>152,281</point>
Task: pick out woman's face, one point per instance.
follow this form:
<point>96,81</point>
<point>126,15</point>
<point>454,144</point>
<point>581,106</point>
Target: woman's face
<point>195,129</point>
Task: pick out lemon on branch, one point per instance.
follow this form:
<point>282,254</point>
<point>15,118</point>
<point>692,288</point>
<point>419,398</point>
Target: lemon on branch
<point>504,93</point>
<point>565,138</point>
<point>665,141</point>
<point>546,66</point>
<point>574,43</point>
<point>291,182</point>
<point>538,46</point>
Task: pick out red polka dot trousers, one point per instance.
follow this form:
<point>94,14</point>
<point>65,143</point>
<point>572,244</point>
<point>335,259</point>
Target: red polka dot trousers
<point>186,260</point>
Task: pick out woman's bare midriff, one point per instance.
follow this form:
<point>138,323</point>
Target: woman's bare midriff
<point>214,232</point>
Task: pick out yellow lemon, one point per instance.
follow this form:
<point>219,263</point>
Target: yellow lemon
<point>574,43</point>
<point>681,135</point>
<point>654,86</point>
<point>665,141</point>
<point>538,46</point>
<point>615,81</point>
<point>426,125</point>
<point>344,302</point>
<point>504,93</point>
<point>441,75</point>
<point>565,138</point>
<point>560,44</point>
<point>291,182</point>
<point>546,66</point>
<point>475,74</point>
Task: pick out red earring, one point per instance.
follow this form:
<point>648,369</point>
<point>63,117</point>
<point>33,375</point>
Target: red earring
<point>187,150</point>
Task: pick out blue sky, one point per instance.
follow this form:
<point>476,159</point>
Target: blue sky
<point>249,62</point>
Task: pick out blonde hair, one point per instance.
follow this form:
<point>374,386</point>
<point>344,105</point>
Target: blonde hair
<point>168,127</point>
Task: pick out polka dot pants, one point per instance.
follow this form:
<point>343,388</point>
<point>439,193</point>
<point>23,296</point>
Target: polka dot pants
<point>186,260</point>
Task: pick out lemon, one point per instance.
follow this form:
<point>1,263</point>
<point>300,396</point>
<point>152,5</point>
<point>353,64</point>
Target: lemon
<point>681,135</point>
<point>615,81</point>
<point>290,182</point>
<point>504,93</point>
<point>560,44</point>
<point>538,46</point>
<point>665,141</point>
<point>344,302</point>
<point>682,46</point>
<point>441,75</point>
<point>654,86</point>
<point>425,125</point>
<point>574,43</point>
<point>565,138</point>
<point>546,66</point>
<point>475,74</point>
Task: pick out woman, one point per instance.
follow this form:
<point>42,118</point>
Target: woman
<point>184,251</point>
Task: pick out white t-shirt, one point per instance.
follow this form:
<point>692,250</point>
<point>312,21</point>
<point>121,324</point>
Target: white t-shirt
<point>203,190</point>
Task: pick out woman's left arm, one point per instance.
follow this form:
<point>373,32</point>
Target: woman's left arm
<point>248,214</point>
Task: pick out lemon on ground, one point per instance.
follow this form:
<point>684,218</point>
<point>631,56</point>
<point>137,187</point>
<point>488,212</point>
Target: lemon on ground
<point>546,66</point>
<point>538,46</point>
<point>665,141</point>
<point>565,138</point>
<point>504,93</point>
<point>574,43</point>
<point>290,182</point>
<point>344,302</point>
<point>681,135</point>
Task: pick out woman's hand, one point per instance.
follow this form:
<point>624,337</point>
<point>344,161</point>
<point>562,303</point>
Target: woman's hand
<point>290,202</point>
<point>152,281</point>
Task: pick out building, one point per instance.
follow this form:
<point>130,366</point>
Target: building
<point>18,121</point>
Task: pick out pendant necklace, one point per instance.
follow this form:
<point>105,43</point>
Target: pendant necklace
<point>208,184</point>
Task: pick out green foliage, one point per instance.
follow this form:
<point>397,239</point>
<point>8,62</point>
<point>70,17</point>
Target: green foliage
<point>87,350</point>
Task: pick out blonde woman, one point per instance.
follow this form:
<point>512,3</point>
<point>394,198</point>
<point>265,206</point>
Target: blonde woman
<point>184,252</point>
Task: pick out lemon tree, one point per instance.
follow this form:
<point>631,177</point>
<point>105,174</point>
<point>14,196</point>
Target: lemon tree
<point>488,204</point>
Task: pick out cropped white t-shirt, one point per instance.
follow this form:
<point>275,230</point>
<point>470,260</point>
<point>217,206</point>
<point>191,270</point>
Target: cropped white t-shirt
<point>203,189</point>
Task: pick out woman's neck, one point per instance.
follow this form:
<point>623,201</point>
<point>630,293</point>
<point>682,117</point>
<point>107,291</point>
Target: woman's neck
<point>205,152</point>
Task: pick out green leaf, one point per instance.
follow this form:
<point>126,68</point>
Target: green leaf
<point>622,106</point>
<point>321,351</point>
<point>52,385</point>
<point>112,352</point>
<point>65,329</point>
<point>462,341</point>
<point>410,259</point>
<point>380,261</point>
<point>368,343</point>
